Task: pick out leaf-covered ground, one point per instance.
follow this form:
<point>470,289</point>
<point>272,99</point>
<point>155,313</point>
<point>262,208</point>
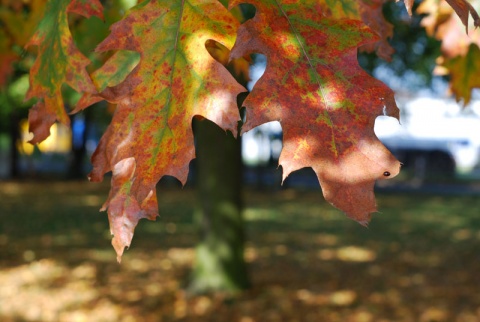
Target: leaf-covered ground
<point>418,261</point>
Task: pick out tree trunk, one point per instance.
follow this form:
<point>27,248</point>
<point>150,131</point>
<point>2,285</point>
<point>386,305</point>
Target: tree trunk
<point>219,265</point>
<point>79,140</point>
<point>14,135</point>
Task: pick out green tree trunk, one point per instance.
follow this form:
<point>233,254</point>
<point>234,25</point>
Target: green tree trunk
<point>220,264</point>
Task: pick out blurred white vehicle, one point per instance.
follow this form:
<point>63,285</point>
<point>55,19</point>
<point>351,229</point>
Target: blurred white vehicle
<point>436,137</point>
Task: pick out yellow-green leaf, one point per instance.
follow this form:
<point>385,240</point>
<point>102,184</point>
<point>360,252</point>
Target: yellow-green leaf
<point>464,74</point>
<point>58,62</point>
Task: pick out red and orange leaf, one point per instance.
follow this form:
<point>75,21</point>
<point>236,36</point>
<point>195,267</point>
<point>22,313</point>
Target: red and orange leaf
<point>175,80</point>
<point>368,11</point>
<point>113,72</point>
<point>326,103</point>
<point>372,15</point>
<point>124,211</point>
<point>464,74</point>
<point>58,62</point>
<point>86,8</point>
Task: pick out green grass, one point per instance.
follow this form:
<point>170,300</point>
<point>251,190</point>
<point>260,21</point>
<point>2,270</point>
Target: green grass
<point>419,260</point>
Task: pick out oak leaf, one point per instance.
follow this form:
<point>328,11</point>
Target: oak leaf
<point>326,103</point>
<point>58,62</point>
<point>368,11</point>
<point>464,74</point>
<point>113,72</point>
<point>176,79</point>
<point>372,15</point>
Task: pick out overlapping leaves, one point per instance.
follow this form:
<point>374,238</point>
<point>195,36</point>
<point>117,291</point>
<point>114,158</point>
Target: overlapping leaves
<point>313,85</point>
<point>458,47</point>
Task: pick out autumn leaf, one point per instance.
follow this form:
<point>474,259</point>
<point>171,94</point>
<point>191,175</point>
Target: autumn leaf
<point>175,80</point>
<point>464,74</point>
<point>326,103</point>
<point>339,8</point>
<point>86,8</point>
<point>124,211</point>
<point>239,68</point>
<point>113,72</point>
<point>464,10</point>
<point>441,23</point>
<point>372,15</point>
<point>58,62</point>
<point>368,11</point>
<point>12,16</point>
<point>457,46</point>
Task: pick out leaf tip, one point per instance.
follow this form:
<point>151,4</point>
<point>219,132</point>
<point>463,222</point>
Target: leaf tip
<point>364,223</point>
<point>36,139</point>
<point>119,248</point>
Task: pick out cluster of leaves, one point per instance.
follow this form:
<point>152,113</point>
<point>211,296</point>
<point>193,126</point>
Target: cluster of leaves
<point>313,85</point>
<point>17,23</point>
<point>460,50</point>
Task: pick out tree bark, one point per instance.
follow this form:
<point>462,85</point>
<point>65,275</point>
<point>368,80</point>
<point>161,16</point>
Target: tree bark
<point>14,135</point>
<point>220,264</point>
<point>79,149</point>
